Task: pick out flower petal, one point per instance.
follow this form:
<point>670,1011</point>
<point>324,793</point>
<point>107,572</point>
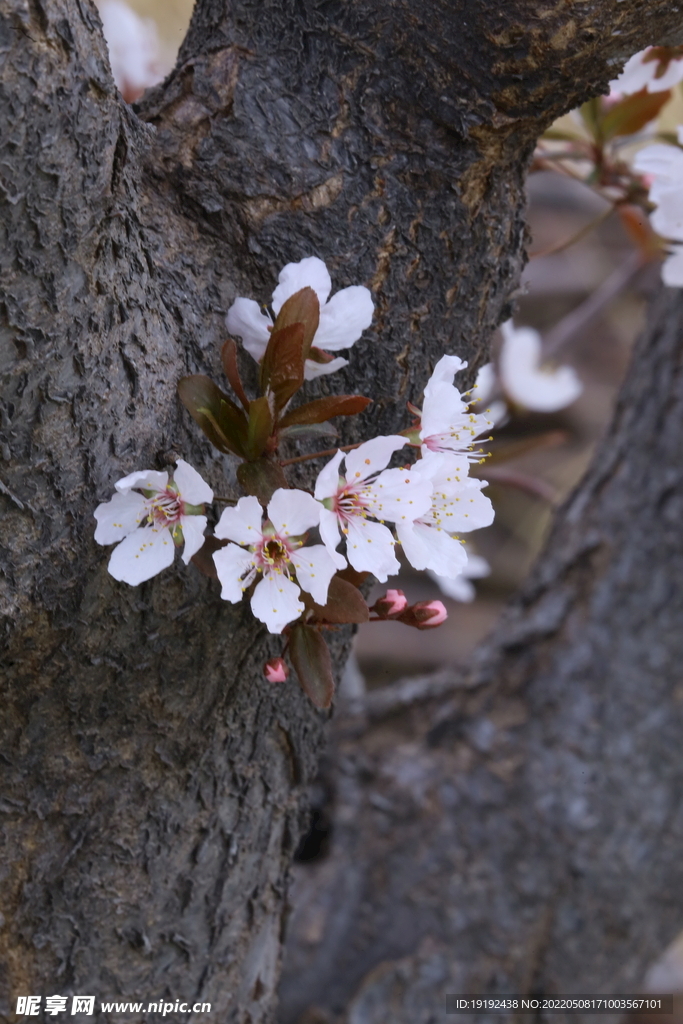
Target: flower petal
<point>398,495</point>
<point>344,318</point>
<point>243,523</point>
<point>523,378</point>
<point>246,321</point>
<point>307,273</point>
<point>444,372</point>
<point>192,488</point>
<point>445,412</point>
<point>372,456</point>
<point>193,535</point>
<point>119,517</point>
<point>144,480</point>
<point>327,483</point>
<point>236,569</point>
<point>313,369</point>
<point>459,589</point>
<point>292,512</point>
<point>142,554</point>
<point>672,270</point>
<point>330,536</point>
<point>429,547</point>
<point>314,569</point>
<point>276,601</point>
<point>370,548</point>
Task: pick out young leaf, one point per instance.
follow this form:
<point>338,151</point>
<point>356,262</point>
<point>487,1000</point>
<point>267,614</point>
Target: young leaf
<point>301,308</point>
<point>229,360</point>
<point>222,421</point>
<point>345,603</point>
<point>322,409</point>
<point>632,113</point>
<point>260,427</point>
<point>282,366</point>
<point>309,430</point>
<point>261,478</point>
<point>352,576</point>
<point>311,659</point>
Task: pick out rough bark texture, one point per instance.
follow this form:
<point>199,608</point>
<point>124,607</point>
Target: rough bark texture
<point>524,835</point>
<point>151,779</point>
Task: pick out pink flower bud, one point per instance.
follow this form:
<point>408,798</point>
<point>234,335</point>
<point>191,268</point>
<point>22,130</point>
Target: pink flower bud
<point>392,604</point>
<point>425,615</point>
<point>275,670</point>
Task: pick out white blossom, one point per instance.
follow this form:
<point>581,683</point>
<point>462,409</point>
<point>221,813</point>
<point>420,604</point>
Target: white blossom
<point>457,506</point>
<point>460,588</point>
<point>369,490</point>
<point>134,50</point>
<point>447,424</point>
<point>663,167</point>
<point>171,513</point>
<point>641,73</point>
<point>526,381</point>
<point>274,550</point>
<point>343,318</point>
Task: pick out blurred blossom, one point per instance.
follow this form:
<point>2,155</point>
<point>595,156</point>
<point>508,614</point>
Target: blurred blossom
<point>484,387</point>
<point>461,589</point>
<point>134,50</point>
<point>526,381</point>
<point>646,70</point>
<point>663,167</point>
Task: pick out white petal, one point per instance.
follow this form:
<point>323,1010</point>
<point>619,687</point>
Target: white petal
<point>459,589</point>
<point>276,601</point>
<point>144,480</point>
<point>327,483</point>
<point>671,77</point>
<point>428,547</point>
<point>243,523</point>
<point>119,517</point>
<point>191,487</point>
<point>193,535</point>
<point>141,555</point>
<point>442,468</point>
<point>307,273</point>
<point>370,548</point>
<point>344,318</point>
<point>444,372</point>
<point>293,512</point>
<point>444,411</point>
<point>635,75</point>
<point>314,570</point>
<point>235,568</point>
<point>525,381</point>
<point>246,321</point>
<point>667,219</point>
<point>672,271</point>
<point>313,369</point>
<point>398,495</point>
<point>372,456</point>
<point>330,536</point>
<point>463,510</point>
<point>485,383</point>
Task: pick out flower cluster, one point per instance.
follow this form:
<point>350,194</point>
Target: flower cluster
<point>662,165</point>
<point>299,556</point>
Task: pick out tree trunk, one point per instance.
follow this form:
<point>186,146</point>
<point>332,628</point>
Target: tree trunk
<point>525,835</point>
<point>152,779</point>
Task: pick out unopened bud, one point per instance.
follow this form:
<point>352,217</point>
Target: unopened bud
<point>392,604</point>
<point>275,670</point>
<point>425,615</point>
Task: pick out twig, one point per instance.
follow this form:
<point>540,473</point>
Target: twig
<point>586,229</point>
<point>320,455</point>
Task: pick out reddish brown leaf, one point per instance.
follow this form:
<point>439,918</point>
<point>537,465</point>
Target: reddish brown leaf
<point>282,366</point>
<point>311,659</point>
<point>632,113</point>
<point>260,427</point>
<point>301,308</point>
<point>324,408</point>
<point>203,559</point>
<point>222,421</point>
<point>352,576</point>
<point>345,603</point>
<point>229,359</point>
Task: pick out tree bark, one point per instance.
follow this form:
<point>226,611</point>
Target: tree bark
<point>524,836</point>
<point>152,779</point>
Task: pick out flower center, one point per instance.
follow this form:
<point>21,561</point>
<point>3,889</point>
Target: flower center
<point>349,503</point>
<point>165,508</point>
<point>273,553</point>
